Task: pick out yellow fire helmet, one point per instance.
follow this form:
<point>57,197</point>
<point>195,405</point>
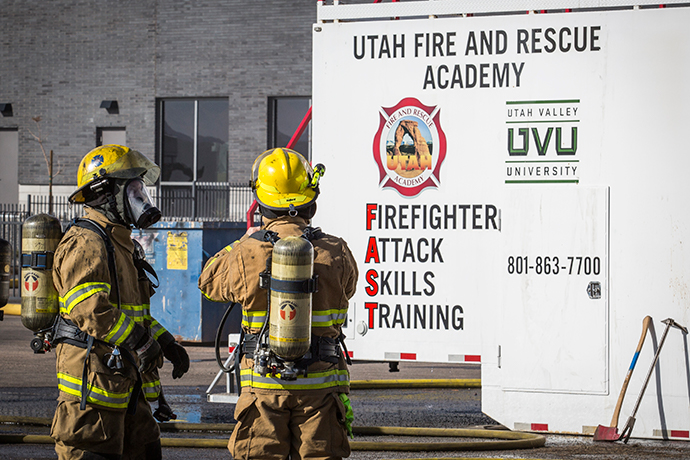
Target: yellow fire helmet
<point>112,161</point>
<point>282,179</point>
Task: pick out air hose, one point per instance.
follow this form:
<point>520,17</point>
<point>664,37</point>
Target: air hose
<point>219,332</point>
<point>505,440</point>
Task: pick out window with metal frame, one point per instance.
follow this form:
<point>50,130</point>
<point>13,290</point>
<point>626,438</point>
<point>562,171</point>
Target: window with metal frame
<point>193,140</point>
<point>284,117</point>
<point>192,151</point>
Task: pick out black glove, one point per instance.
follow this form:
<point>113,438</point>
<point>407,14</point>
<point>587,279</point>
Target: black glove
<point>164,412</point>
<point>149,352</point>
<point>178,357</point>
<point>175,353</point>
<point>150,356</point>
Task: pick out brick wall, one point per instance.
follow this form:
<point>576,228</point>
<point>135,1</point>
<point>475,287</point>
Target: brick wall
<point>61,58</point>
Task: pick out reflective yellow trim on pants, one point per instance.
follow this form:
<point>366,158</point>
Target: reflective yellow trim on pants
<point>95,395</point>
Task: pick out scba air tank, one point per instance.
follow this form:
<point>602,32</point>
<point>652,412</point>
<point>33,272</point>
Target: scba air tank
<point>41,235</point>
<point>292,270</point>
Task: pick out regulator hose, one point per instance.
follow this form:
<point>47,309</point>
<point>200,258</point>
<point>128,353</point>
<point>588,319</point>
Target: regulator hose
<point>219,332</point>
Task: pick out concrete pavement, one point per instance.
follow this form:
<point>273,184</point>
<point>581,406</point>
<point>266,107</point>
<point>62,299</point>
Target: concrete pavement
<point>28,387</point>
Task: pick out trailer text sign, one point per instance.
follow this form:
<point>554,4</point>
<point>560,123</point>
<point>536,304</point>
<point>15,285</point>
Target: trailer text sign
<point>470,71</point>
<point>438,118</point>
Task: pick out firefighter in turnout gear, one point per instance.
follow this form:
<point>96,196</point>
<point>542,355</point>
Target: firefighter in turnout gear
<point>108,346</point>
<point>280,413</point>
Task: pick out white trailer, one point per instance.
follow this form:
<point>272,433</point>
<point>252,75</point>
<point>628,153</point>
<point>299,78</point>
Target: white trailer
<point>512,178</point>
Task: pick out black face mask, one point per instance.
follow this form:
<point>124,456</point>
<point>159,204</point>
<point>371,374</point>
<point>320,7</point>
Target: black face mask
<point>139,207</point>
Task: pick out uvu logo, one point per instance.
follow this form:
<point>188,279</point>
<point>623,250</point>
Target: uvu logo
<point>541,141</point>
<point>549,128</point>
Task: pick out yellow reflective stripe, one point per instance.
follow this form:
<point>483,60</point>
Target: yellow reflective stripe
<point>80,293</point>
<point>315,380</point>
<point>212,261</point>
<point>208,298</point>
<point>253,319</point>
<point>152,390</point>
<point>304,184</point>
<point>157,329</point>
<point>95,395</point>
<point>212,299</point>
<point>135,308</point>
<point>121,330</point>
<point>137,312</point>
<point>327,318</point>
<point>319,318</point>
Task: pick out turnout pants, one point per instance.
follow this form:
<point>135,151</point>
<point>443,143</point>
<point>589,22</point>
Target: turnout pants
<point>278,427</point>
<point>102,434</point>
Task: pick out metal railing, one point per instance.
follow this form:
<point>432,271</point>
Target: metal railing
<point>203,202</point>
<point>62,208</point>
<point>11,218</point>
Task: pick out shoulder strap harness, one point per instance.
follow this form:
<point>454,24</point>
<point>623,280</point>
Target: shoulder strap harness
<point>66,331</point>
<point>323,348</point>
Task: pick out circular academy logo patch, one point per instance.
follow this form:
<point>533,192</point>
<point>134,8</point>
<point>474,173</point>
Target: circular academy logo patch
<point>409,147</point>
<point>288,311</point>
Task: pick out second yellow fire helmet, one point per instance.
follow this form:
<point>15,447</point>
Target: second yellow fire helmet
<point>283,180</point>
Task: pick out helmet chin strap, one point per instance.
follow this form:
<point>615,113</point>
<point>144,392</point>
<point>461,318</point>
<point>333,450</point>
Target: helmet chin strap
<point>306,213</point>
<point>113,208</point>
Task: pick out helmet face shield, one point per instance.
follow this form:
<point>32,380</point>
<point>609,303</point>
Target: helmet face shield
<point>142,212</point>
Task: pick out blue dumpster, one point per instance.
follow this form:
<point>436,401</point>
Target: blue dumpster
<point>178,252</point>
